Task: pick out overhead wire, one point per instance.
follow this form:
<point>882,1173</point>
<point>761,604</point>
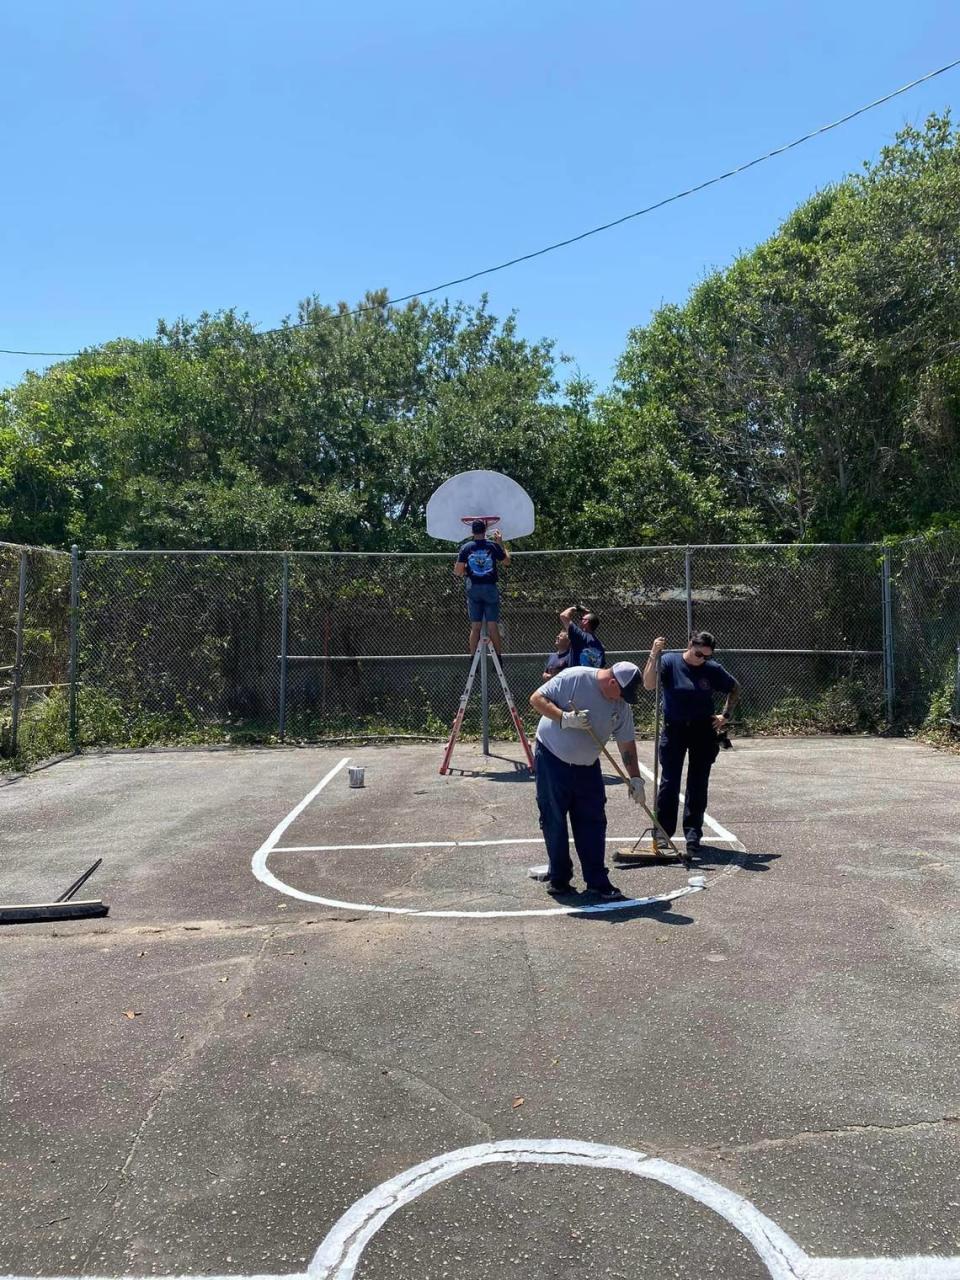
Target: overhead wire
<point>593,231</point>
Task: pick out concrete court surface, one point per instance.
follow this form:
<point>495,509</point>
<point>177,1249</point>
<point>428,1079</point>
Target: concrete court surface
<point>208,1079</point>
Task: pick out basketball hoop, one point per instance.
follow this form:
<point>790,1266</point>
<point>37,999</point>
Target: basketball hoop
<point>487,520</point>
<point>482,491</point>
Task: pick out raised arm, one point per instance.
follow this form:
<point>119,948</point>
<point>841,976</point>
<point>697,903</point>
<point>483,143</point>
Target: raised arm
<point>497,537</point>
<point>650,668</point>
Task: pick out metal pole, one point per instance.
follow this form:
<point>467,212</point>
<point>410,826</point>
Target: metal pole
<point>17,676</point>
<point>688,586</point>
<point>284,612</point>
<point>74,621</point>
<point>484,690</point>
<point>888,667</point>
<point>656,745</point>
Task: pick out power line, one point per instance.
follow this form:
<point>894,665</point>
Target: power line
<point>605,226</point>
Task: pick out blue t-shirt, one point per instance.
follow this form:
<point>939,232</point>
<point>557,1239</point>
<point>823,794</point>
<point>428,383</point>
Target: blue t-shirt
<point>585,649</point>
<point>481,556</point>
<point>688,691</point>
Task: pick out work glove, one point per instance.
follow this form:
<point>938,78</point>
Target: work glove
<point>575,720</point>
<point>638,792</point>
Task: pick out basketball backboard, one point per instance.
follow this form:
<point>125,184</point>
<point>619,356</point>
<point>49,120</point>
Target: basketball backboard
<point>479,495</point>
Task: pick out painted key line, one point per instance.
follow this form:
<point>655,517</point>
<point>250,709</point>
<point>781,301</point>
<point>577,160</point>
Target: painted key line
<point>272,844</point>
<point>341,1250</point>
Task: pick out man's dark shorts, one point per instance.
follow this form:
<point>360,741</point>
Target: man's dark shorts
<point>483,602</point>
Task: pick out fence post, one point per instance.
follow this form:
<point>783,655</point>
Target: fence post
<point>284,612</point>
<point>688,587</point>
<point>18,654</point>
<point>74,621</point>
<point>888,667</point>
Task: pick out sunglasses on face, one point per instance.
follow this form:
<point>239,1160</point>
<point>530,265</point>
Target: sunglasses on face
<point>703,653</point>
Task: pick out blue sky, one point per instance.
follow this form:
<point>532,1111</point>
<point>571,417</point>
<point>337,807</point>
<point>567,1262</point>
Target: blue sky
<point>165,159</point>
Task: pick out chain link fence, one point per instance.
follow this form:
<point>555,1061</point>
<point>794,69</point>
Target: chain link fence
<point>194,647</point>
<point>177,646</point>
<point>34,651</point>
<point>925,609</point>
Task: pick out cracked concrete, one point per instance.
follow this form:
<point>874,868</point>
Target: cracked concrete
<point>791,1033</point>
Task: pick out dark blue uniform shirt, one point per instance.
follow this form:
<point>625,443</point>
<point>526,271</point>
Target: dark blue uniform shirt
<point>688,691</point>
<point>585,649</point>
<point>481,556</point>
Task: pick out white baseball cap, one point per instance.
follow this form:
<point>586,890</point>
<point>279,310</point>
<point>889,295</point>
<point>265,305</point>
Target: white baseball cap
<point>628,677</point>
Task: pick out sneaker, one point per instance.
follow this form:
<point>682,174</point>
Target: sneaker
<point>556,890</point>
<point>693,846</point>
<point>610,894</point>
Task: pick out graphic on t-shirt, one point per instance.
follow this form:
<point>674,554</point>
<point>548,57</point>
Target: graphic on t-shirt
<point>591,657</point>
<point>585,649</point>
<point>480,562</point>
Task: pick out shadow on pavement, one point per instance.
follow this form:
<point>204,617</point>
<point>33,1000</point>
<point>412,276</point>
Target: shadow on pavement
<point>519,771</point>
<point>661,912</point>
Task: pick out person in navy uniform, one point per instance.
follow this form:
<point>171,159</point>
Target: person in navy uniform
<point>585,649</point>
<point>691,727</point>
<point>559,660</point>
<point>477,561</point>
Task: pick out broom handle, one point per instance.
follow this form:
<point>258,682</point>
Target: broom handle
<point>623,774</point>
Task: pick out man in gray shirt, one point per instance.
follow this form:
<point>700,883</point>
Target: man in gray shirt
<point>580,708</point>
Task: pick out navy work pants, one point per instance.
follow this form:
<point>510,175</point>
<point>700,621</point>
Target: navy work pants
<point>575,790</point>
<point>697,740</point>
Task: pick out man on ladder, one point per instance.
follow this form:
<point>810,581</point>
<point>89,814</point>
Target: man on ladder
<point>481,500</point>
<point>477,561</point>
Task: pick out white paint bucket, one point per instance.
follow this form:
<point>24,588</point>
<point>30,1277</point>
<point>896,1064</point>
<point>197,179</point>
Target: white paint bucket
<point>697,882</point>
<point>355,773</point>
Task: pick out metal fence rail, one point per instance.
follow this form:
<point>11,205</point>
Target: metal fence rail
<point>137,647</point>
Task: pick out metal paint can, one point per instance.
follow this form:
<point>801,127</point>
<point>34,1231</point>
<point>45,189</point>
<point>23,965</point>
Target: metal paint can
<point>355,772</point>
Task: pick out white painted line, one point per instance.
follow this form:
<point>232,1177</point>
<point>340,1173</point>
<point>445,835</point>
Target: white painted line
<point>449,844</point>
<point>296,811</point>
<point>267,877</point>
<point>726,836</point>
<point>341,1249</point>
<point>340,1252</point>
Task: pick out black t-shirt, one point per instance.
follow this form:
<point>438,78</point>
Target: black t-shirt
<point>688,691</point>
<point>481,556</point>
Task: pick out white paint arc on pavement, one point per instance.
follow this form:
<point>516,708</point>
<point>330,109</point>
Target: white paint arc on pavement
<point>271,880</point>
<point>341,1249</point>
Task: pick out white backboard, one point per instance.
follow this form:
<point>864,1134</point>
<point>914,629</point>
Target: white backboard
<point>474,495</point>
